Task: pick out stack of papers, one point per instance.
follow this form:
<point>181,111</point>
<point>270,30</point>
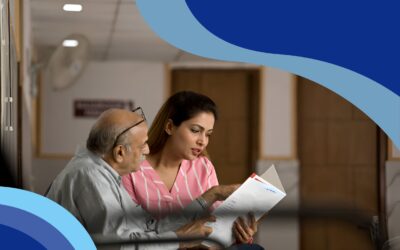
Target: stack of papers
<point>258,194</point>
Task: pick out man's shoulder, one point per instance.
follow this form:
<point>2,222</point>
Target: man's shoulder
<point>83,167</point>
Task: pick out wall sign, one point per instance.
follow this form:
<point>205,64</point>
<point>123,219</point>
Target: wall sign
<point>94,107</point>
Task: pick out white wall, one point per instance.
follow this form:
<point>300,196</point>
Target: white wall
<point>278,147</point>
<point>142,83</point>
<point>278,97</point>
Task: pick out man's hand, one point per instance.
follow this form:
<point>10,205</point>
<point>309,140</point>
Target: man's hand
<point>194,229</point>
<point>244,232</point>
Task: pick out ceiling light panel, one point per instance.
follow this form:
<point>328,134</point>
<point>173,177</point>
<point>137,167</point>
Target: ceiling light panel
<point>72,7</point>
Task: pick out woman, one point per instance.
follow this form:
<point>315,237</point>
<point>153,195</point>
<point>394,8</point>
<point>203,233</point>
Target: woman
<point>177,170</point>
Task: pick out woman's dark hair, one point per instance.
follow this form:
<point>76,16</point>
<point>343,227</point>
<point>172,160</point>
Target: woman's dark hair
<point>179,107</point>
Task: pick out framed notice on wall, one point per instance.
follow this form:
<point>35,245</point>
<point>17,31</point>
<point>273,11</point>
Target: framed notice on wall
<point>92,108</point>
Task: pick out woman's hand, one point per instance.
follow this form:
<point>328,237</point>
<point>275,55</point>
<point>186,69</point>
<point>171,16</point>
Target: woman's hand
<point>244,232</point>
<point>194,229</point>
<point>222,192</point>
<point>219,193</point>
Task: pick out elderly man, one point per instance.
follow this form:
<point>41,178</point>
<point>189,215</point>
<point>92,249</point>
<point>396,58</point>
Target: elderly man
<point>90,185</point>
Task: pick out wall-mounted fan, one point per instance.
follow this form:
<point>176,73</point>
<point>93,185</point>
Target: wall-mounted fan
<point>68,61</point>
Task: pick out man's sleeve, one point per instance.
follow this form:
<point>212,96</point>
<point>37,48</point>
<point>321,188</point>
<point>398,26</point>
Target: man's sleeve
<point>103,215</point>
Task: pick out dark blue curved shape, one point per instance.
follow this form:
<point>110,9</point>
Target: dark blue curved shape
<point>14,239</point>
<point>29,225</point>
<point>358,35</point>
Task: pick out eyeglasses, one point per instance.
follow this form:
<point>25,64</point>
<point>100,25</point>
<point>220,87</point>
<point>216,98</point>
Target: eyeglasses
<point>136,110</point>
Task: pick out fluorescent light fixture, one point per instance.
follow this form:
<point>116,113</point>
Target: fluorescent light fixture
<point>70,43</point>
<point>72,7</point>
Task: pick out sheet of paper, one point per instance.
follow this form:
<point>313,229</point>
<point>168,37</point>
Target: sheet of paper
<point>252,196</point>
<point>272,177</point>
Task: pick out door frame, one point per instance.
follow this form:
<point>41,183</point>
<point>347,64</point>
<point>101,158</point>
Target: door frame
<point>382,156</point>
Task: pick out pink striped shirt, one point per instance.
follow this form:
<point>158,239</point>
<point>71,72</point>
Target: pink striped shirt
<point>146,188</point>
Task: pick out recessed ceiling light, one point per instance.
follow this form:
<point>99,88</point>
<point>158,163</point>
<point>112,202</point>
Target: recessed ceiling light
<point>70,43</point>
<point>72,7</point>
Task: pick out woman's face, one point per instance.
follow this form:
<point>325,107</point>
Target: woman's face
<point>190,138</point>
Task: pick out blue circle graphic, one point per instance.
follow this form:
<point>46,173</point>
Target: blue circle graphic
<point>13,239</point>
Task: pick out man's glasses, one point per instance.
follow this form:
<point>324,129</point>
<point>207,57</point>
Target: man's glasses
<point>136,110</point>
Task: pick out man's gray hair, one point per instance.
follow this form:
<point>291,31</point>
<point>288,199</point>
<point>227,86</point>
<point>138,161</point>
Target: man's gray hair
<point>102,137</point>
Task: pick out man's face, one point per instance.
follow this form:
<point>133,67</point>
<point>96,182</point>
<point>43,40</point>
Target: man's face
<point>139,149</point>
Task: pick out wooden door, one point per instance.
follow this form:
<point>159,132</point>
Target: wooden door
<point>233,145</point>
<point>338,155</point>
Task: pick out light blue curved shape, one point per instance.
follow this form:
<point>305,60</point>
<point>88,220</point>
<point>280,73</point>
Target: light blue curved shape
<point>174,22</point>
<point>51,212</point>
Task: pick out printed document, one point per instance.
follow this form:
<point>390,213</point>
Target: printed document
<point>258,194</point>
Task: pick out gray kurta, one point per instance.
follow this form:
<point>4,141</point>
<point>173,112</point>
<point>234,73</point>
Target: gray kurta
<point>92,191</point>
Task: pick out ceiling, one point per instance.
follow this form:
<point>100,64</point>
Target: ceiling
<point>114,28</point>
